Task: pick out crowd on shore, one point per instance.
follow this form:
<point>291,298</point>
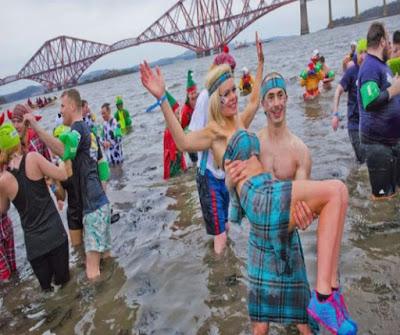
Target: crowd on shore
<point>264,177</point>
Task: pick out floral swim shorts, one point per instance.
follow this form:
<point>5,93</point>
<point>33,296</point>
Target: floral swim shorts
<point>97,226</point>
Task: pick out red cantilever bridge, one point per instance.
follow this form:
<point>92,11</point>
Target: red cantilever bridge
<point>199,25</point>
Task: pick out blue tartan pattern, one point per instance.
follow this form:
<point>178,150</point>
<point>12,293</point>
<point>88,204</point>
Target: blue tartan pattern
<point>278,287</point>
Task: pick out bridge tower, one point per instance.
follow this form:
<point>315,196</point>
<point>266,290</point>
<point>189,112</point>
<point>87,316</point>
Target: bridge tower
<point>304,18</point>
<point>356,9</point>
<point>330,24</point>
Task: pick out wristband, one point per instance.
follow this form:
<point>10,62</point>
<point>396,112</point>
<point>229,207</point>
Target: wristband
<point>161,100</point>
<point>157,104</point>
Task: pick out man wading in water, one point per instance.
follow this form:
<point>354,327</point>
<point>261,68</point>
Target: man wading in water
<point>275,139</point>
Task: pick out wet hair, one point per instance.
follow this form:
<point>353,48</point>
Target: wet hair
<point>322,59</point>
<point>396,37</point>
<point>84,102</point>
<point>73,95</point>
<point>214,104</point>
<point>106,105</point>
<point>375,34</point>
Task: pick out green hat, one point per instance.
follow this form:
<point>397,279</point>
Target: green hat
<point>190,85</point>
<point>361,45</point>
<point>118,100</point>
<point>60,130</point>
<point>172,102</point>
<point>9,137</point>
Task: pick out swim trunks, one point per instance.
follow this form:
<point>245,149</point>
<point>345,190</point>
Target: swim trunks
<point>97,227</point>
<point>214,201</point>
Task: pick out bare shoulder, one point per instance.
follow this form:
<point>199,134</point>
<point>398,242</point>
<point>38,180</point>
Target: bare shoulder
<point>5,179</point>
<point>34,156</point>
<point>300,147</point>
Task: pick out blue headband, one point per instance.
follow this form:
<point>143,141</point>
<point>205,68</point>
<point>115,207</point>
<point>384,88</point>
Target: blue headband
<point>218,82</point>
<point>276,82</point>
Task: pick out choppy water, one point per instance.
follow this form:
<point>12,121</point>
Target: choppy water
<point>165,278</point>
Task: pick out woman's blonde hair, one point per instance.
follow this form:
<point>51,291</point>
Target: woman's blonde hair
<point>6,154</point>
<point>214,104</point>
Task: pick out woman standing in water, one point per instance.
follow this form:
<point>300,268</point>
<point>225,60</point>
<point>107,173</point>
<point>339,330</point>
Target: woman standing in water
<point>24,185</point>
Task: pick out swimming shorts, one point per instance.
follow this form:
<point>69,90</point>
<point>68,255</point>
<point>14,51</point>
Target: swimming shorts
<point>214,201</point>
<point>97,227</point>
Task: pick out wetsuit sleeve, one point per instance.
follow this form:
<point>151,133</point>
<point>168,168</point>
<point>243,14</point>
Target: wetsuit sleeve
<point>372,97</point>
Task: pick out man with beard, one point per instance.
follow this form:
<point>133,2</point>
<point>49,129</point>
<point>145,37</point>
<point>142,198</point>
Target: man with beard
<point>379,102</point>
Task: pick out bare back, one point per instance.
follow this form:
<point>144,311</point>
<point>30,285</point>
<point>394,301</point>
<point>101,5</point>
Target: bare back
<point>285,157</point>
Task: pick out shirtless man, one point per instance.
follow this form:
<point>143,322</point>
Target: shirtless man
<point>284,155</point>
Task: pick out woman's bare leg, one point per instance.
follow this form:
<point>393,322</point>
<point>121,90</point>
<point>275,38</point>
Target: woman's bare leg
<point>336,251</point>
<point>325,198</point>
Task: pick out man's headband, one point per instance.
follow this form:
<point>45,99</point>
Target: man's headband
<point>219,82</point>
<point>275,82</point>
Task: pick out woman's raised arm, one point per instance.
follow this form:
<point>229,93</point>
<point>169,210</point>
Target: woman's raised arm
<point>154,82</point>
<point>254,102</point>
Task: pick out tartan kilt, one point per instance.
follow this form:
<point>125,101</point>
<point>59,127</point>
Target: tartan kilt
<point>274,297</point>
<point>278,286</point>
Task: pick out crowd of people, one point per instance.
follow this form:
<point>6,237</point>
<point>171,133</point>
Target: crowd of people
<point>239,174</point>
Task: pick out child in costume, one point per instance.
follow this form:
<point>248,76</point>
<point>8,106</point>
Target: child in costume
<point>188,108</point>
<point>174,160</point>
<point>122,115</point>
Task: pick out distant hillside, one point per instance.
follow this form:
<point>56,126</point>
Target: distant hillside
<point>23,94</point>
<point>393,8</point>
<point>106,74</point>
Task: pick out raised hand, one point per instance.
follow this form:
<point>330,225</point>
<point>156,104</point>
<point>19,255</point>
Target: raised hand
<point>260,52</point>
<point>152,80</point>
<point>30,120</point>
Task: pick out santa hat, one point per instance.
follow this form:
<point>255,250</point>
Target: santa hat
<point>190,85</point>
<point>172,102</point>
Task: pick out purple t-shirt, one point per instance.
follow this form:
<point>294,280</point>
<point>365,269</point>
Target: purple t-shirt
<point>349,84</point>
<point>383,124</point>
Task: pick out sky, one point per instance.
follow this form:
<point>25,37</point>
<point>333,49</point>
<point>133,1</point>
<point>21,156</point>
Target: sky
<point>26,24</point>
